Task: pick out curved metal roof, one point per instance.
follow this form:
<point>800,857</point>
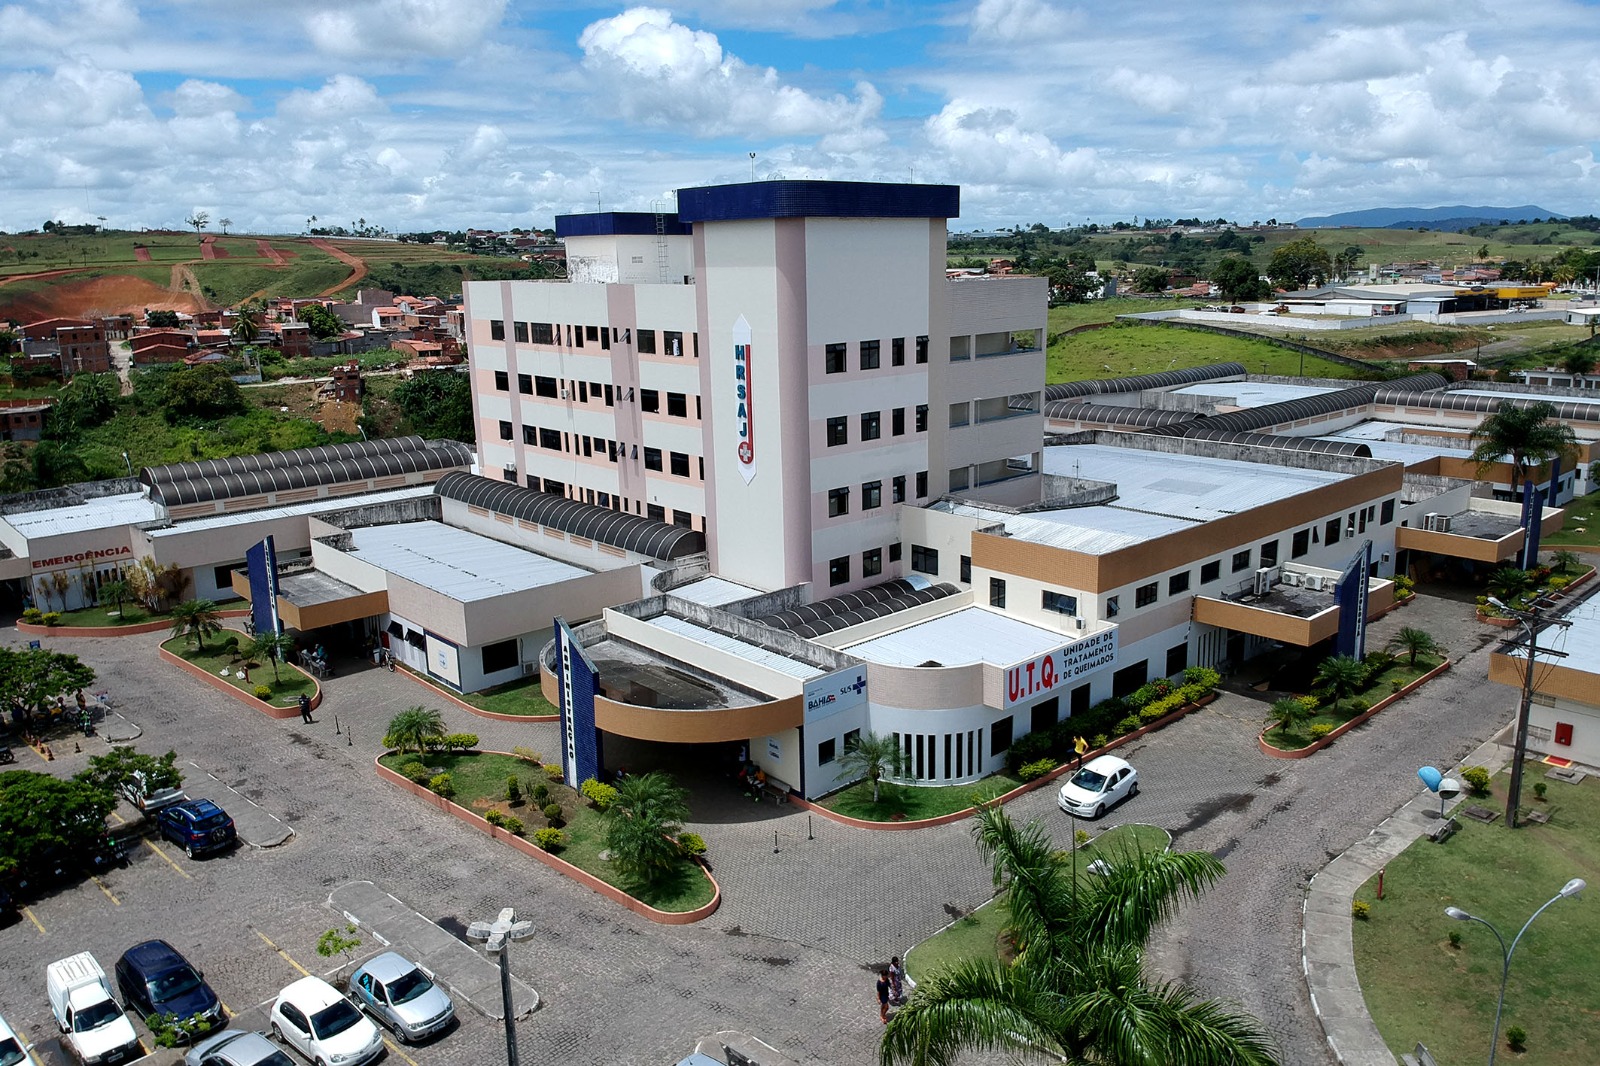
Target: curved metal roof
<point>889,600</point>
<point>849,601</point>
<point>327,453</point>
<point>1327,403</point>
<point>215,482</point>
<point>1354,449</point>
<point>1455,401</point>
<point>1113,415</point>
<point>1139,382</point>
<point>634,533</point>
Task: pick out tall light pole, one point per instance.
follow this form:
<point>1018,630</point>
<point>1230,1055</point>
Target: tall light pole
<point>494,935</point>
<point>1529,620</point>
<point>1571,888</point>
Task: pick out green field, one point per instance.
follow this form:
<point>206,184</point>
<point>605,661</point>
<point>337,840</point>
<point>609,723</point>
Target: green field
<point>1129,349</point>
<point>1582,526</point>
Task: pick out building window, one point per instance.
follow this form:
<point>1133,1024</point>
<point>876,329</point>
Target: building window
<point>922,418</point>
<point>530,435</point>
<point>839,570</point>
<point>497,330</point>
<point>871,425</point>
<point>833,359</point>
<point>897,421</point>
<point>871,495</point>
<point>501,655</point>
<point>1301,543</point>
<point>555,488</point>
<point>683,519</point>
<point>1178,583</point>
<point>677,405</point>
<point>1209,572</point>
<point>966,569</point>
<point>897,490</point>
<point>542,386</point>
<point>957,478</point>
<point>680,464</point>
<point>922,349</point>
<point>610,397</point>
<point>838,502</point>
<point>1113,606</point>
<point>1386,513</point>
<point>872,562</point>
<point>655,512</point>
<point>551,439</point>
<point>544,333</point>
<point>997,592</point>
<point>650,401</point>
<point>826,752</point>
<point>1045,714</point>
<point>672,342</point>
<point>922,484</point>
<point>897,352</point>
<point>1059,602</point>
<point>505,430</point>
<point>869,355</point>
<point>1241,560</point>
<point>960,414</point>
<point>894,552</point>
<point>652,458</point>
<point>644,341</point>
<point>838,431</point>
<point>1129,679</point>
<point>1330,532</point>
<point>519,330</point>
<point>502,381</point>
<point>1000,736</point>
<point>1177,659</point>
<point>1269,553</point>
<point>1145,595</point>
<point>924,560</point>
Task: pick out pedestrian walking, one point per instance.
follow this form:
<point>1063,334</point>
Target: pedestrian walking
<point>883,996</point>
<point>305,708</point>
<point>897,973</point>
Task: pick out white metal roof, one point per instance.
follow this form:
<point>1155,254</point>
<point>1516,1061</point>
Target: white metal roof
<point>1524,396</point>
<point>1580,641</point>
<point>458,564</point>
<point>125,508</point>
<point>337,503</point>
<point>960,638</point>
<point>1252,393</point>
<point>713,592</point>
<point>744,650</point>
<point>1091,530</point>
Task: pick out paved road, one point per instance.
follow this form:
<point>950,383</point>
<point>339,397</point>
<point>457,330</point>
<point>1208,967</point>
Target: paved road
<point>788,956</point>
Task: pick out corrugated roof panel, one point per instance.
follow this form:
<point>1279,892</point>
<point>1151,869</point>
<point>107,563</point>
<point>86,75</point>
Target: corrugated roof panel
<point>458,564</point>
<point>266,514</point>
<point>713,592</point>
<point>733,646</point>
<point>970,635</point>
<point>101,513</point>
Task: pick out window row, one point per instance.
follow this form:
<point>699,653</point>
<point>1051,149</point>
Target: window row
<point>613,502</point>
<point>677,463</point>
<point>645,341</point>
<point>871,564</point>
<point>869,354</point>
<point>872,494</point>
<point>871,425</point>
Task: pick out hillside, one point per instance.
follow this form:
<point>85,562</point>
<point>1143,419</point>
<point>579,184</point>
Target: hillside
<point>1453,219</point>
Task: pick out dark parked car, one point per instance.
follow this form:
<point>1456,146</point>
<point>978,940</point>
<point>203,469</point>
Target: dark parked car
<point>196,826</point>
<point>155,979</point>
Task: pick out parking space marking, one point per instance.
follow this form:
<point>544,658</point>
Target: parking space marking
<point>392,1046</point>
<point>120,819</point>
<point>32,918</point>
<point>286,956</point>
<point>109,894</point>
<point>168,860</point>
<point>28,1046</point>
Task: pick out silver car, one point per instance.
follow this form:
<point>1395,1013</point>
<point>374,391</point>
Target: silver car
<point>402,996</point>
<point>235,1047</point>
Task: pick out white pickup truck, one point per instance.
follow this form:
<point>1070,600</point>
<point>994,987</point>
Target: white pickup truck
<point>97,1032</point>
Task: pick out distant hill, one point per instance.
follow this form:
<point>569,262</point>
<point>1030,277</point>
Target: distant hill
<point>1451,219</point>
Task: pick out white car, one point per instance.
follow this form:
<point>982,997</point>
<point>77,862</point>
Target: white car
<point>1101,784</point>
<point>314,1019</point>
<point>11,1050</point>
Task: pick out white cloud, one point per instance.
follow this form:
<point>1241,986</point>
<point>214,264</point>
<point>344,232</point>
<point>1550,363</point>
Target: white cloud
<point>402,27</point>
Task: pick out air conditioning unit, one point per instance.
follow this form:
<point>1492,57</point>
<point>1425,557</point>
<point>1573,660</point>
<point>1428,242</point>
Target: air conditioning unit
<point>563,394</point>
<point>1081,623</point>
<point>529,669</point>
<point>1428,519</point>
<point>1293,578</point>
<point>1314,582</point>
<point>1264,579</point>
<point>1441,523</point>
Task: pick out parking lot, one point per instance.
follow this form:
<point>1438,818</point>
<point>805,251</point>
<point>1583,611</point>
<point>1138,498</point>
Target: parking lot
<point>789,954</point>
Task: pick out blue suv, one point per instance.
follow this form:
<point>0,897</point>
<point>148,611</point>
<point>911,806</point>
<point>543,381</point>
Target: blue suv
<point>196,826</point>
<point>155,979</point>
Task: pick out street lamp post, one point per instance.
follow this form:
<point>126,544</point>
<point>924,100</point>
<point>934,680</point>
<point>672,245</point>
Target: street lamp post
<point>1529,621</point>
<point>495,935</point>
<point>1571,888</point>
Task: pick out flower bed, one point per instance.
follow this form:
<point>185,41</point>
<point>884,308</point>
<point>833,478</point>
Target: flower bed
<point>219,667</point>
<point>1299,744</point>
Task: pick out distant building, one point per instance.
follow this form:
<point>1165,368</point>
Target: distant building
<point>79,345</point>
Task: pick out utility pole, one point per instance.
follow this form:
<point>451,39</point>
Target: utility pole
<point>1530,621</point>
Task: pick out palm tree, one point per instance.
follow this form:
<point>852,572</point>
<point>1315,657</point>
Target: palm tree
<point>1528,434</point>
<point>873,756</point>
<point>116,591</point>
<point>1288,713</point>
<point>642,824</point>
<point>196,618</point>
<point>1414,642</point>
<point>1076,990</point>
<point>270,646</point>
<point>1509,582</point>
<point>417,728</point>
<point>246,323</point>
<point>1564,562</point>
<point>1344,674</point>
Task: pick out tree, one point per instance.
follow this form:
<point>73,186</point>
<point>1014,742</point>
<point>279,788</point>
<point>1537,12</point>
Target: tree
<point>31,677</point>
<point>224,223</point>
<point>161,319</point>
<point>872,756</point>
<point>270,646</point>
<point>155,584</point>
<point>417,728</point>
<point>1239,280</point>
<point>438,404</point>
<point>246,323</point>
<point>41,816</point>
<point>1298,263</point>
<point>338,942</point>
<point>199,220</point>
<point>1069,283</point>
<point>322,322</point>
<point>86,402</point>
<point>1577,362</point>
<point>117,592</point>
<point>201,393</point>
<point>1509,582</point>
<point>1564,561</point>
<point>1151,279</point>
<point>1529,434</point>
<point>1288,713</point>
<point>115,768</point>
<point>1343,674</point>
<point>1076,990</point>
<point>196,618</point>
<point>642,824</point>
<point>1413,642</point>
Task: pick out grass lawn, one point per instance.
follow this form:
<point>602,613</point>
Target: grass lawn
<point>1420,988</point>
<point>1582,526</point>
<point>107,615</point>
<point>517,697</point>
<point>978,934</point>
<point>286,689</point>
<point>1130,349</point>
<point>480,784</point>
<point>908,803</point>
<point>1382,687</point>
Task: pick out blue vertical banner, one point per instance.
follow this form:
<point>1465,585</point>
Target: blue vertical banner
<point>1532,522</point>
<point>1555,479</point>
<point>1350,593</point>
<point>261,565</point>
<point>578,681</point>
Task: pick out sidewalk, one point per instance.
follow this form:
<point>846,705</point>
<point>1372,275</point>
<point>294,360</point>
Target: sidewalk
<point>1326,941</point>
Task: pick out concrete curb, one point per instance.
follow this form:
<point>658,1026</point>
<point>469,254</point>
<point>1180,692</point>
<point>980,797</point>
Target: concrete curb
<point>1361,719</point>
<point>34,629</point>
<point>1327,945</point>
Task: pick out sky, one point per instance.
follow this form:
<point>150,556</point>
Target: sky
<point>425,114</point>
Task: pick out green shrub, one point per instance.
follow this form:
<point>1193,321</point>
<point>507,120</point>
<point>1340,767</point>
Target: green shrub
<point>263,692</point>
<point>414,770</point>
<point>441,785</point>
<point>540,793</point>
<point>1100,740</point>
<point>1517,1038</point>
<point>1203,676</point>
<point>1081,836</point>
<point>1359,704</point>
<point>552,814</point>
<point>1150,712</point>
<point>1320,730</point>
<point>32,614</point>
<point>601,795</point>
<point>1455,938</point>
<point>52,618</point>
<point>510,823</point>
<point>458,741</point>
<point>1539,789</point>
<point>1032,771</point>
<point>1477,779</point>
<point>513,790</point>
<point>693,844</point>
<point>527,754</point>
<point>1360,908</point>
<point>1129,724</point>
<point>550,839</point>
<point>231,646</point>
<point>553,771</point>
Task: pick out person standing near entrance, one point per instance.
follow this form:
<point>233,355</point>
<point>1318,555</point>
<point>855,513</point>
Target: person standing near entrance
<point>305,708</point>
<point>883,996</point>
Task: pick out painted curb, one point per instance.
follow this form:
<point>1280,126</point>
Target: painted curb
<point>1360,719</point>
<point>1007,797</point>
<point>36,629</point>
<point>446,694</point>
<point>268,709</point>
<point>583,877</point>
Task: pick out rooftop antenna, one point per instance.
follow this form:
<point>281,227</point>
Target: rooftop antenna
<point>913,173</point>
<point>752,156</point>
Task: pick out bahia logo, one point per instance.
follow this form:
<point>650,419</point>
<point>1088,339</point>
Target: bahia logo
<point>856,687</point>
